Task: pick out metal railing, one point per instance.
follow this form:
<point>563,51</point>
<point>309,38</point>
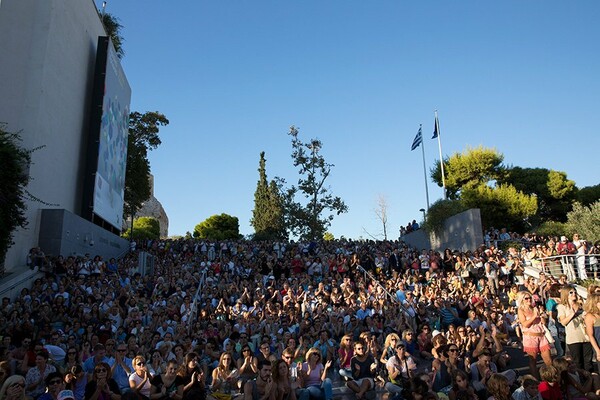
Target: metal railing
<point>574,266</point>
<point>194,311</point>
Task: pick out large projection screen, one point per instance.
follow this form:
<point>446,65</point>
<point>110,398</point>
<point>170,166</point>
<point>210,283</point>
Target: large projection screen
<point>109,182</point>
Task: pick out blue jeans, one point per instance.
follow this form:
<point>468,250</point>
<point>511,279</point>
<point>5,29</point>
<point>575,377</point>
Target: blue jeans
<point>316,392</point>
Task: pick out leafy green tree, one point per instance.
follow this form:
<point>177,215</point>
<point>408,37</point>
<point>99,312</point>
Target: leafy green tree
<point>585,221</point>
<point>144,228</point>
<point>14,177</point>
<point>551,228</point>
<point>328,237</point>
<point>267,216</point>
<point>112,26</point>
<point>588,195</point>
<point>467,170</point>
<point>502,206</point>
<point>555,193</point>
<point>309,218</point>
<point>143,136</point>
<point>218,227</point>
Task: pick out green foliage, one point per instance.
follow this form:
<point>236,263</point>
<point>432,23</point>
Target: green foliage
<point>112,26</point>
<point>467,170</point>
<point>505,245</point>
<point>588,195</point>
<point>144,228</point>
<point>585,221</point>
<point>440,211</point>
<point>143,136</point>
<point>555,193</point>
<point>267,216</point>
<point>13,180</point>
<point>501,206</point>
<point>310,218</point>
<point>218,227</point>
<point>328,237</point>
<point>551,228</point>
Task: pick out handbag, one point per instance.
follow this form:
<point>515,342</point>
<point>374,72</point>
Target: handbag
<point>548,335</point>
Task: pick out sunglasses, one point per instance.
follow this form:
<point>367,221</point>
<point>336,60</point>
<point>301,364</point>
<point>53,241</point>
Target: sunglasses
<point>101,369</point>
<point>452,350</point>
<point>141,364</point>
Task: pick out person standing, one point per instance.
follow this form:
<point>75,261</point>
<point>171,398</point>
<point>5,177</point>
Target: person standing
<point>592,321</point>
<point>534,334</point>
<point>570,315</point>
<point>581,248</point>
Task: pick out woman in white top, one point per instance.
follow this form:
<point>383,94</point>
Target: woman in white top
<point>570,315</point>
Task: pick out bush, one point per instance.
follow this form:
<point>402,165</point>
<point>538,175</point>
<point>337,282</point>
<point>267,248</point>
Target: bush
<point>144,228</point>
<point>440,211</point>
<point>551,228</point>
<point>505,245</point>
<point>585,221</point>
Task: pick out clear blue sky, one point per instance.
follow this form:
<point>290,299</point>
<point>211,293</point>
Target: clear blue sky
<point>232,76</point>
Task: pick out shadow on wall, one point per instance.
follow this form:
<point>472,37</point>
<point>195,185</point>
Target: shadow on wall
<point>461,232</point>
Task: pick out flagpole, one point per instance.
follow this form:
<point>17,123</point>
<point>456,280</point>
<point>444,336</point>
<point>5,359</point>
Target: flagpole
<point>424,169</point>
<point>437,129</point>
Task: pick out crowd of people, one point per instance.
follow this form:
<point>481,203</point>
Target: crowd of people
<point>287,321</point>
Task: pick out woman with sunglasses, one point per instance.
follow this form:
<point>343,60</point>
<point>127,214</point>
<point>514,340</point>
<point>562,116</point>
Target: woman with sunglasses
<point>247,366</point>
<point>345,354</point>
<point>400,369</point>
<point>139,380</point>
<point>13,388</point>
<point>192,378</point>
<point>570,315</point>
<point>224,377</point>
<point>314,375</point>
<point>102,386</point>
<point>72,359</point>
<point>533,330</point>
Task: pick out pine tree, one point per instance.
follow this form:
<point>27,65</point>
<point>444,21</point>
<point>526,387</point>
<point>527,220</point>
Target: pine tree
<point>267,216</point>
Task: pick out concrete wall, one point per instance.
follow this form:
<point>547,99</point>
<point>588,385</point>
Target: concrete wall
<point>48,52</point>
<point>461,232</point>
<point>64,233</point>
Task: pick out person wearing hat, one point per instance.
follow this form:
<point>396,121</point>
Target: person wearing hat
<point>66,395</point>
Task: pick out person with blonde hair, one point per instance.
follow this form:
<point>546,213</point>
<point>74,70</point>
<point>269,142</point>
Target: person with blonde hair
<point>139,380</point>
<point>389,347</point>
<point>498,387</point>
<point>313,374</point>
<point>570,315</point>
<point>224,377</point>
<point>592,321</point>
<point>534,333</point>
<point>345,354</point>
<point>13,388</point>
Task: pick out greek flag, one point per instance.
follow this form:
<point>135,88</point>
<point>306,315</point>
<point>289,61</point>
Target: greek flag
<point>436,128</point>
<point>418,140</point>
